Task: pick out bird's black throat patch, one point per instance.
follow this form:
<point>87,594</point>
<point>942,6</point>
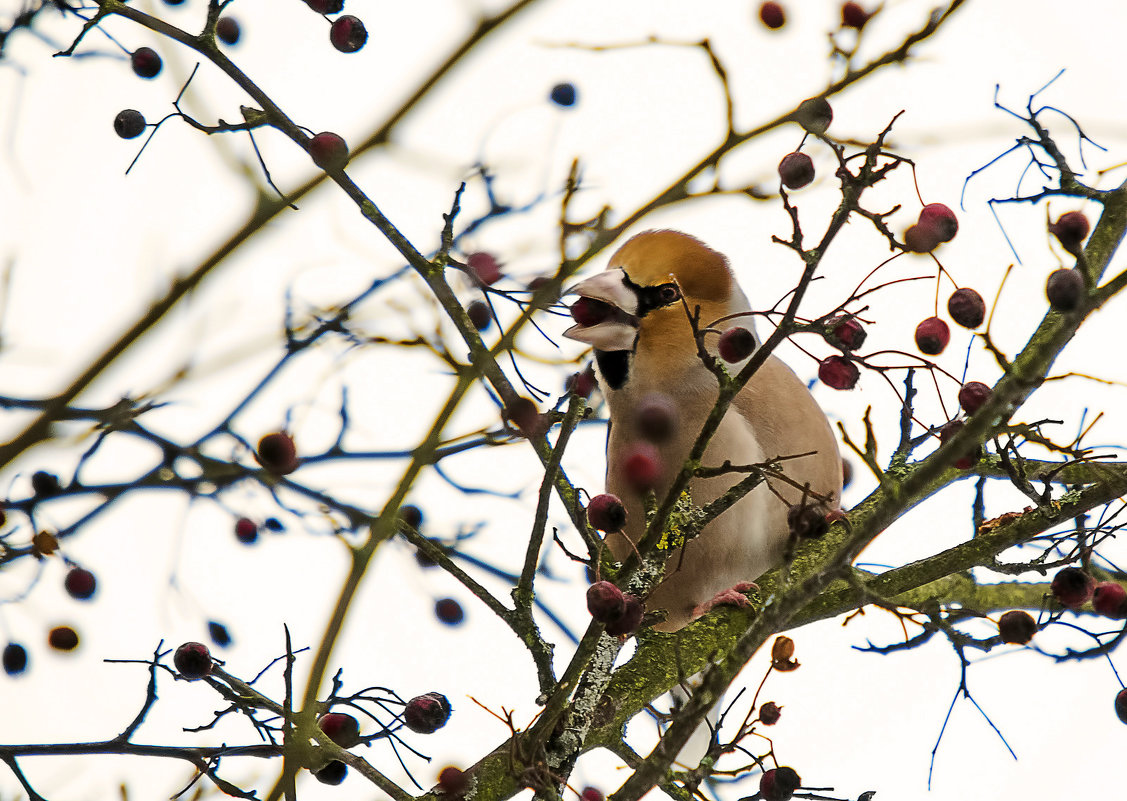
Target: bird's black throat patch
<point>614,365</point>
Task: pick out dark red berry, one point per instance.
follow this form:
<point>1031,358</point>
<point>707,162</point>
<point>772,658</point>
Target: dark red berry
<point>606,513</point>
<point>591,794</point>
<point>484,267</point>
<point>656,417</point>
<point>193,660</point>
<point>1110,599</point>
<point>563,94</point>
<point>641,466</point>
<point>605,601</point>
<point>45,484</point>
<point>940,220</point>
<point>1065,289</point>
<point>80,583</point>
<point>479,314</point>
<point>932,336</point>
<point>453,781</point>
<point>146,63</point>
<point>326,6</point>
<point>411,516</point>
<point>779,784</point>
<point>328,151</point>
<point>1017,627</point>
<point>972,395</point>
<point>333,773</point>
<point>342,729</point>
<point>796,170</point>
<point>966,307</point>
<point>589,311</point>
<point>807,522</point>
<point>246,530</point>
<point>227,30</point>
<point>277,453</point>
<point>769,713</point>
<point>772,15</point>
<point>1070,228</point>
<point>815,115</point>
<point>348,34</point>
<point>582,383</point>
<point>1121,705</point>
<point>218,633</point>
<point>62,638</point>
<point>129,123</point>
<point>427,713</point>
<point>449,611</point>
<point>628,621</point>
<point>14,659</point>
<point>920,239</point>
<point>1072,587</point>
<point>522,413</point>
<point>838,372</point>
<point>845,333</point>
<point>736,344</point>
<point>854,16</point>
<point>966,461</point>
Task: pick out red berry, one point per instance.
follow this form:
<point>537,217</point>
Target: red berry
<point>333,773</point>
<point>736,344</point>
<point>348,34</point>
<point>920,239</point>
<point>940,220</point>
<point>972,395</point>
<point>328,151</point>
<point>14,659</point>
<point>966,308</point>
<point>522,413</point>
<point>1070,228</point>
<point>932,336</point>
<point>246,530</point>
<point>1065,289</point>
<point>582,383</point>
<point>62,638</point>
<point>453,781</point>
<point>628,621</point>
<point>838,372</point>
<point>342,729</point>
<point>1072,587</point>
<point>641,466</point>
<point>779,784</point>
<point>1121,705</point>
<point>807,522</point>
<point>326,6</point>
<point>656,417</point>
<point>449,611</point>
<point>427,713</point>
<point>769,713</point>
<point>277,453</point>
<point>129,123</point>
<point>80,583</point>
<point>772,15</point>
<point>484,267</point>
<point>1017,627</point>
<point>591,794</point>
<point>588,311</point>
<point>193,660</point>
<point>479,314</point>
<point>227,30</point>
<point>606,513</point>
<point>815,115</point>
<point>796,170</point>
<point>845,333</point>
<point>966,461</point>
<point>146,63</point>
<point>605,601</point>
<point>1110,599</point>
<point>854,16</point>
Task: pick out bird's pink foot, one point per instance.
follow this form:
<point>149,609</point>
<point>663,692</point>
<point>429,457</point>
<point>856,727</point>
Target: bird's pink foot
<point>733,596</point>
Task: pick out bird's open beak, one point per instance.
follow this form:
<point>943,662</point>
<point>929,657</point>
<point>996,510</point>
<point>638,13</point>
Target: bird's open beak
<point>605,313</point>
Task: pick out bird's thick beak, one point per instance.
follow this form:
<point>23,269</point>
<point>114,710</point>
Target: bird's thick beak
<point>605,313</point>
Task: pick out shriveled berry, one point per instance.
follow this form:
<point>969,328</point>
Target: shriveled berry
<point>227,30</point>
<point>807,522</point>
<point>656,417</point>
<point>246,530</point>
<point>966,307</point>
<point>939,219</point>
<point>484,267</point>
<point>838,372</point>
<point>563,94</point>
<point>333,773</point>
<point>606,513</point>
<point>80,583</point>
<point>782,654</point>
<point>772,15</point>
<point>1017,627</point>
<point>845,333</point>
<point>1070,228</point>
<point>129,123</point>
<point>479,314</point>
<point>966,461</point>
<point>854,16</point>
<point>796,170</point>
<point>348,34</point>
<point>1072,587</point>
<point>641,466</point>
<point>605,601</point>
<point>325,6</point>
<point>62,638</point>
<point>342,729</point>
<point>218,633</point>
<point>779,784</point>
<point>973,395</point>
<point>736,344</point>
<point>932,336</point>
<point>1121,705</point>
<point>815,115</point>
<point>449,611</point>
<point>589,311</point>
<point>920,239</point>
<point>1110,599</point>
<point>769,713</point>
<point>146,63</point>
<point>277,453</point>
<point>14,659</point>
<point>328,151</point>
<point>453,781</point>
<point>45,484</point>
<point>629,620</point>
<point>193,660</point>
<point>427,713</point>
<point>582,383</point>
<point>1065,289</point>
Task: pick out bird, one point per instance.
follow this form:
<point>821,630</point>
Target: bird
<point>636,316</point>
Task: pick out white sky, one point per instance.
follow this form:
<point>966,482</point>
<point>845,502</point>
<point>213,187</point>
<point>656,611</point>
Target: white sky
<point>88,248</point>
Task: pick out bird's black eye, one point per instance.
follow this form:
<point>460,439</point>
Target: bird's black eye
<point>668,293</point>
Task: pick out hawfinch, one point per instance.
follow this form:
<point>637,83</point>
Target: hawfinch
<point>645,345</point>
